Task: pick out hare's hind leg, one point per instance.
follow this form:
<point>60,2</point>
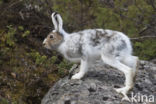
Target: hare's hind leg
<point>133,62</point>
<point>128,72</point>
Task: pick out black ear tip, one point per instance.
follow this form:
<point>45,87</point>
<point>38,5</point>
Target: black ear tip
<point>55,13</point>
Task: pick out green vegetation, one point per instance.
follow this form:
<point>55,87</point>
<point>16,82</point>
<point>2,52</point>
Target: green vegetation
<point>146,49</point>
<point>25,74</point>
<point>27,70</point>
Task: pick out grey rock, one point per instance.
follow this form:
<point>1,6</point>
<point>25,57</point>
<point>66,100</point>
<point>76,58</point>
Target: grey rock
<point>97,87</point>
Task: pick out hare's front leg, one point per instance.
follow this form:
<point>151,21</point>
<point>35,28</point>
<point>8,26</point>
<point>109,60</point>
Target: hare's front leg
<point>83,69</point>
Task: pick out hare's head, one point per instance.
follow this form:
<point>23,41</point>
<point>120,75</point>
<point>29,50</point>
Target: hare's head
<point>54,38</point>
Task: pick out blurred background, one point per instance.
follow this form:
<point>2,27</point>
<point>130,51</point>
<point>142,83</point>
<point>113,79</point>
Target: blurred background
<point>27,70</point>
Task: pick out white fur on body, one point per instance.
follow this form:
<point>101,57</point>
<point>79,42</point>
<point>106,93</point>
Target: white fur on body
<point>113,47</point>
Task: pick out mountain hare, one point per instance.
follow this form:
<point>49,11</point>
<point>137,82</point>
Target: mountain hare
<point>113,47</point>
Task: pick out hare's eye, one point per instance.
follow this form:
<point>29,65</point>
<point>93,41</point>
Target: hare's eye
<point>51,37</point>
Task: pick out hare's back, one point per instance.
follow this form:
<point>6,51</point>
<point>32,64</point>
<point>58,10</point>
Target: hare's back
<point>109,40</point>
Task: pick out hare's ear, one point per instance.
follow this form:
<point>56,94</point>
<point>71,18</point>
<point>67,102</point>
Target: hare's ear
<point>60,22</point>
<point>53,16</point>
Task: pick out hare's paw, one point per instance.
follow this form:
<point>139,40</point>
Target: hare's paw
<point>125,98</point>
<point>77,76</point>
<point>123,91</point>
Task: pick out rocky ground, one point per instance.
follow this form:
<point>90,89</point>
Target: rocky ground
<point>97,87</point>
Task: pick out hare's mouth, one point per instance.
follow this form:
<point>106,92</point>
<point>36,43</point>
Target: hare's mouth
<point>54,47</point>
<point>47,47</point>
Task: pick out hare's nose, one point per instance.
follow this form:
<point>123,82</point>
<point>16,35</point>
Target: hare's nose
<point>43,44</point>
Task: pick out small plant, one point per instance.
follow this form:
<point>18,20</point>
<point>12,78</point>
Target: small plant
<point>26,33</point>
<point>3,101</point>
<point>21,28</point>
<point>38,59</point>
<point>53,59</point>
<point>10,36</point>
<point>63,67</point>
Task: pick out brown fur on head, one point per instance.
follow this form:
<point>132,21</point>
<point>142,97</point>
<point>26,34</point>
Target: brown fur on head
<point>53,40</point>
